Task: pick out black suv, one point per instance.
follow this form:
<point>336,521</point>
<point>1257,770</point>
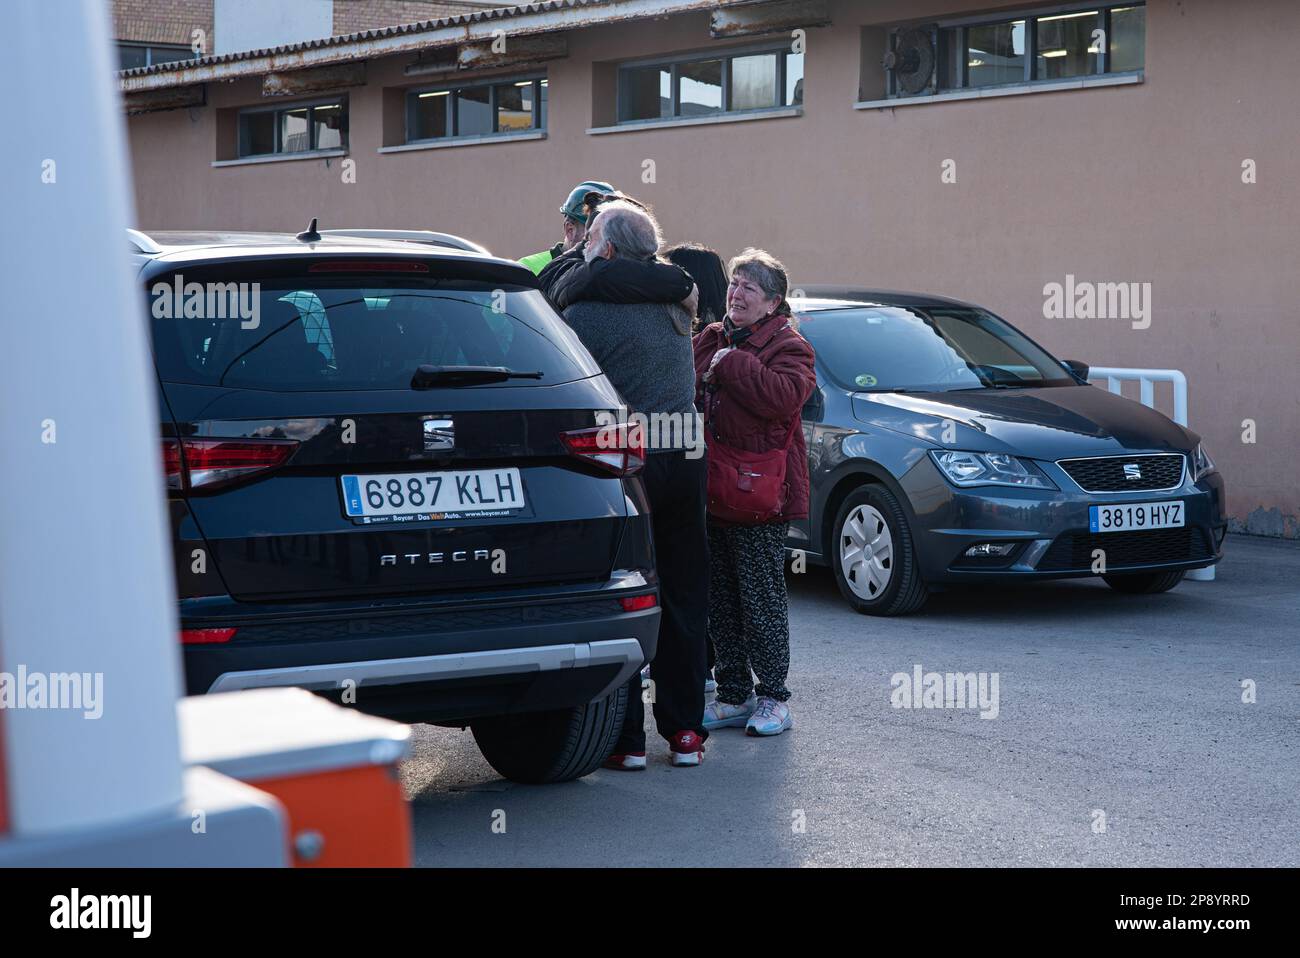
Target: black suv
<point>389,482</point>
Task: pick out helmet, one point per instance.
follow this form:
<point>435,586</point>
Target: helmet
<point>573,207</point>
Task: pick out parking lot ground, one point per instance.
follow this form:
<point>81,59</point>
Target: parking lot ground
<point>1114,710</point>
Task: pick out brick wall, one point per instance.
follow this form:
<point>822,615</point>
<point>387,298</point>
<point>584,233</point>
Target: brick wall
<point>173,21</point>
<point>351,16</point>
<point>161,21</point>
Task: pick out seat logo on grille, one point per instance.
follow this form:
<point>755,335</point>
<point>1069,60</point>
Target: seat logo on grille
<point>1132,470</point>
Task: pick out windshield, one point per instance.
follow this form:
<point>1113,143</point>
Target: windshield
<point>323,334</point>
<point>935,349</point>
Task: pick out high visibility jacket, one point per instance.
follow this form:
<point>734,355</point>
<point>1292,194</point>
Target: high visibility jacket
<point>537,261</point>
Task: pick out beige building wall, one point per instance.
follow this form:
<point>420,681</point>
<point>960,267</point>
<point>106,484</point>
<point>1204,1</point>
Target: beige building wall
<point>1138,183</point>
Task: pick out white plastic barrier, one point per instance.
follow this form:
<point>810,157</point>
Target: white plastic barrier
<point>1115,376</point>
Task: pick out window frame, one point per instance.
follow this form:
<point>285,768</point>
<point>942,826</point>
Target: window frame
<point>673,63</point>
<point>279,108</point>
<point>149,49</point>
<point>540,82</point>
<point>957,29</point>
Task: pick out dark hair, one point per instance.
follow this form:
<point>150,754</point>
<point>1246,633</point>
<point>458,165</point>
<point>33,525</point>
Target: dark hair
<point>705,267</point>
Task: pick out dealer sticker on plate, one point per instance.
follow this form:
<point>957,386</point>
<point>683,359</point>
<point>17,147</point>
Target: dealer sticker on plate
<point>1125,517</point>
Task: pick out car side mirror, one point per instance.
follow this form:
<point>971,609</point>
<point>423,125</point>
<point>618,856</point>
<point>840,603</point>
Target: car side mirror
<point>1076,367</point>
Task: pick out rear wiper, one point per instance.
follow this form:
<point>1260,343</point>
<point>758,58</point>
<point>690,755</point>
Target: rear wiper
<point>430,377</point>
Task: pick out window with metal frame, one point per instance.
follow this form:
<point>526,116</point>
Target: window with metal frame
<point>1046,44</point>
<point>705,84</point>
<point>133,55</point>
<point>294,128</point>
<point>503,105</point>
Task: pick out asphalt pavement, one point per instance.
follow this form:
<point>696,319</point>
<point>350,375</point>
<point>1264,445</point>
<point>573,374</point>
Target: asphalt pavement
<point>1121,738</point>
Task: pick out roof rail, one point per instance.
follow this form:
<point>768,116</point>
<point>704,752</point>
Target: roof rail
<point>141,243</point>
<point>428,237</point>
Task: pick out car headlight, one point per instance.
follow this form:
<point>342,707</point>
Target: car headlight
<point>990,469</point>
<point>1202,464</point>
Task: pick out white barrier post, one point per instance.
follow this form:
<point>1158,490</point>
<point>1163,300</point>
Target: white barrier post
<point>1147,378</point>
<point>85,582</point>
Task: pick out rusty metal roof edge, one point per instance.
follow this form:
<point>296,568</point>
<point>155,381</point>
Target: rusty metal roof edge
<point>542,17</point>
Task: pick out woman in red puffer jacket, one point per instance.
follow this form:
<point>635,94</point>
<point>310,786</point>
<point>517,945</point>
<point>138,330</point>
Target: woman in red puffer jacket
<point>753,373</point>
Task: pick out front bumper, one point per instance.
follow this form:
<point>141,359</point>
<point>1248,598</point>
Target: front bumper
<point>1050,529</point>
<point>445,663</point>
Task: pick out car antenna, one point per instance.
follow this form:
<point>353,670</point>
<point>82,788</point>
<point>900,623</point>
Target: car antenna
<point>309,235</point>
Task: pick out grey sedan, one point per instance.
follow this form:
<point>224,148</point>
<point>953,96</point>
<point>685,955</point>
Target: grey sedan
<point>945,446</point>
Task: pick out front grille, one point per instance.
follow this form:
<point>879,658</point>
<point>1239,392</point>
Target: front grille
<point>1073,550</point>
<point>1107,473</point>
<point>461,620</point>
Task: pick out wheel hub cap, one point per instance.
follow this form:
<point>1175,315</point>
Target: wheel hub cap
<point>866,552</point>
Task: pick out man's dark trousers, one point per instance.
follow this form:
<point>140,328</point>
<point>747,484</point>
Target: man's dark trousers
<point>676,488</point>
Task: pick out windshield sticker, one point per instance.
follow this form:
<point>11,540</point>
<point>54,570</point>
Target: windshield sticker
<point>865,380</point>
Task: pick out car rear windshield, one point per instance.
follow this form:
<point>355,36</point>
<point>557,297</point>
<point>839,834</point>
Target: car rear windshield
<point>360,333</point>
<point>934,349</point>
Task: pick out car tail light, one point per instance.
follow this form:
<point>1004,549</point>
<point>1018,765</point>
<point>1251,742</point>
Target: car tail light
<point>206,636</point>
<point>202,464</point>
<point>637,603</point>
<point>619,449</point>
<point>172,462</point>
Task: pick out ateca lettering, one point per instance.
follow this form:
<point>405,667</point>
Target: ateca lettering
<point>1084,300</point>
<point>83,691</point>
<point>133,912</point>
<point>182,300</point>
<point>945,690</point>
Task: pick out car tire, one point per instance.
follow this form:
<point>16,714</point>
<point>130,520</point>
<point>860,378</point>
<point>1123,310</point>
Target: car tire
<point>1144,583</point>
<point>882,584</point>
<point>540,748</point>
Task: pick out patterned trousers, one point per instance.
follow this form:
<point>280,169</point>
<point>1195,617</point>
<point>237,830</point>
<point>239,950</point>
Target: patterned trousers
<point>749,621</point>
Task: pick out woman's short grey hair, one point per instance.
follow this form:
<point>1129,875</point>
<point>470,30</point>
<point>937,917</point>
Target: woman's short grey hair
<point>633,232</point>
<point>767,271</point>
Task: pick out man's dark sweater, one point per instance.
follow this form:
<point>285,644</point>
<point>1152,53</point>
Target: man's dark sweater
<point>641,350</point>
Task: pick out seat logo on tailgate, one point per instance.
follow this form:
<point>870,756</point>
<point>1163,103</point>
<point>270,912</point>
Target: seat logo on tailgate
<point>439,435</point>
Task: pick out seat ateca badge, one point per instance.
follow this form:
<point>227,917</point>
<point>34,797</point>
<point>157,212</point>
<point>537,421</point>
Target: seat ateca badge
<point>439,435</point>
<point>1132,470</point>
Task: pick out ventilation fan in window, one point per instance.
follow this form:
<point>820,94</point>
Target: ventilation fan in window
<point>911,59</point>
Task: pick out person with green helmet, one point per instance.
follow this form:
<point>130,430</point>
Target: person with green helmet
<point>575,224</point>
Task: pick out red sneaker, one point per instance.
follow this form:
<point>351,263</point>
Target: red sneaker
<point>687,748</point>
<point>626,762</point>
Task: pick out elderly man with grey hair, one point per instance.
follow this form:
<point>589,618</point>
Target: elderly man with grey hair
<point>644,346</point>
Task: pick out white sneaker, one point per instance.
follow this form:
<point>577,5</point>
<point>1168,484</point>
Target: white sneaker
<point>710,687</point>
<point>721,715</point>
<point>770,718</point>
